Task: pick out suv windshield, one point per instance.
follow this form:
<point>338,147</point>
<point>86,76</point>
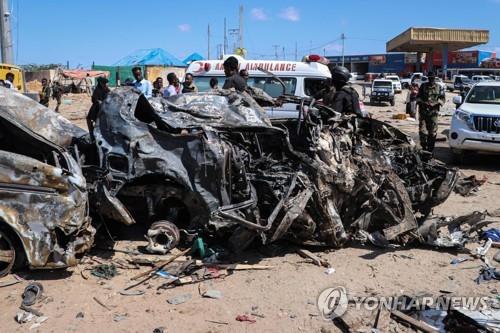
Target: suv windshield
<point>484,95</point>
<point>382,84</point>
<point>393,78</point>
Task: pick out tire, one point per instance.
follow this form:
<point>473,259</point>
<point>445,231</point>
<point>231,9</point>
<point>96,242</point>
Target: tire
<point>12,254</point>
<point>392,102</point>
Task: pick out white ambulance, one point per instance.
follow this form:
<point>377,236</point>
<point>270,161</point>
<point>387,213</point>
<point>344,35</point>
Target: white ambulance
<point>301,78</point>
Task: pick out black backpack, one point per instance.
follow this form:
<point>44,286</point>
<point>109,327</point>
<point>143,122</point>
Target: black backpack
<point>354,97</point>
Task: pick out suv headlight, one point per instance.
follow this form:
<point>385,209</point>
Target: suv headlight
<point>465,117</point>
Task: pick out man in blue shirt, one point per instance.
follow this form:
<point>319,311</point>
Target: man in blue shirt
<point>141,83</point>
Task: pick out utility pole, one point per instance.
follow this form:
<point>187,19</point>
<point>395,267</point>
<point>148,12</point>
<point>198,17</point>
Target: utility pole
<point>241,27</point>
<point>295,50</point>
<point>342,36</point>
<point>284,55</point>
<point>276,51</point>
<point>208,46</point>
<point>5,33</point>
<point>234,33</point>
<point>225,37</point>
<point>219,51</point>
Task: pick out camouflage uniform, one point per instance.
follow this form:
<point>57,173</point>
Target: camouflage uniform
<point>430,98</point>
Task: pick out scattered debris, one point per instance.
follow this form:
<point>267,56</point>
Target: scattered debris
<point>217,322</point>
<point>38,322</point>
<point>330,270</point>
<point>422,326</point>
<point>487,274</point>
<point>159,265</point>
<point>493,234</point>
<point>399,116</point>
<point>467,185</point>
<point>212,293</point>
<point>117,317</point>
<point>80,315</point>
<point>160,330</point>
<point>101,303</point>
<point>459,260</point>
<point>24,317</point>
<point>132,292</point>
<point>104,271</point>
<point>245,317</point>
<point>482,250</point>
<point>179,299</point>
<point>315,259</point>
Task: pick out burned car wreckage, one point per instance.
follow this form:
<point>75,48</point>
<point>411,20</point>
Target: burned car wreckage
<point>44,218</point>
<point>208,164</point>
<point>213,163</point>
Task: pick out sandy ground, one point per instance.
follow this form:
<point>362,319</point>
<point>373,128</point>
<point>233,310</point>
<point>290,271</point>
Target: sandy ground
<point>281,299</point>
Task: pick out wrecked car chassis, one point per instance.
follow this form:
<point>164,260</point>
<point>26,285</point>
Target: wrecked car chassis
<point>44,218</point>
<point>210,163</point>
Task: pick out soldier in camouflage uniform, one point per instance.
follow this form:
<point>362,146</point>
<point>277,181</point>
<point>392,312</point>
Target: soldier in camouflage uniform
<point>430,98</point>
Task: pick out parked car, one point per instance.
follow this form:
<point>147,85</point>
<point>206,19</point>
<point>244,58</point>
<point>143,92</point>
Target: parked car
<point>408,80</point>
<point>460,83</point>
<point>382,91</point>
<point>424,79</point>
<point>475,125</point>
<point>44,217</point>
<point>395,82</point>
<point>480,78</point>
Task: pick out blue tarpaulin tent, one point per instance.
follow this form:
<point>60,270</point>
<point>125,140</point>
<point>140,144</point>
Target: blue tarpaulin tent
<point>193,57</point>
<point>151,57</point>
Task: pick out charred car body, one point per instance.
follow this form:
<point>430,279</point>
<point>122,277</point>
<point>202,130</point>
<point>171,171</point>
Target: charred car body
<point>44,218</point>
<point>214,163</point>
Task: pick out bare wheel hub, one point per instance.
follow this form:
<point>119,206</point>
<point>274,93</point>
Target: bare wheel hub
<point>162,237</point>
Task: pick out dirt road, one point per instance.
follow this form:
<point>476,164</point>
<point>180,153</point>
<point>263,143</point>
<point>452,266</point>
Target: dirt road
<point>282,299</point>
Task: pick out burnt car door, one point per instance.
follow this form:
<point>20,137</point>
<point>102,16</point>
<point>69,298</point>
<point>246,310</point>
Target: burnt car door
<point>43,199</point>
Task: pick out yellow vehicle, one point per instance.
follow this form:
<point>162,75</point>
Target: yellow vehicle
<point>18,75</point>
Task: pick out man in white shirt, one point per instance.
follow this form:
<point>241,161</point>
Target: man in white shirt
<point>173,86</point>
<point>141,83</point>
<point>9,81</point>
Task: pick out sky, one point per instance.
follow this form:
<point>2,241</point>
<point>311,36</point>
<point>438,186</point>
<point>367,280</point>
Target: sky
<point>103,31</point>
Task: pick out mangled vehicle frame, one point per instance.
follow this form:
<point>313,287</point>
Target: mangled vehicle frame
<point>44,218</point>
<point>214,164</point>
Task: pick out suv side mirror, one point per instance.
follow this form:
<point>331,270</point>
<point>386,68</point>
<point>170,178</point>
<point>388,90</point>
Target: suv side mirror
<point>457,100</point>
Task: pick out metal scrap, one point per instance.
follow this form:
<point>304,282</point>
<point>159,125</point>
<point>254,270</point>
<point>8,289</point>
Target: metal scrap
<point>214,163</point>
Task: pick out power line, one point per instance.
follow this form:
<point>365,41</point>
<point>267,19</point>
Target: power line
<point>276,51</point>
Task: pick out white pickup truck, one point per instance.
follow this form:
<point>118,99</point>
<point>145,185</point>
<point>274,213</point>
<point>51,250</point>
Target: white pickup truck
<point>406,82</point>
<point>460,83</point>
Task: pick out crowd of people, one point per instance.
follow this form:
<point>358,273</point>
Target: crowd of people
<point>337,93</point>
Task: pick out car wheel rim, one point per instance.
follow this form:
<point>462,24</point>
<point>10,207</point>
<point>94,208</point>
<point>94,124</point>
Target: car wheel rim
<point>7,254</point>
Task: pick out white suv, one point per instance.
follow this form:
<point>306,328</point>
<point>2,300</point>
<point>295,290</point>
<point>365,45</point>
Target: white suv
<point>395,82</point>
<point>475,125</point>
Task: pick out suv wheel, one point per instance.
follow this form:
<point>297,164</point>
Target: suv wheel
<point>392,102</point>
